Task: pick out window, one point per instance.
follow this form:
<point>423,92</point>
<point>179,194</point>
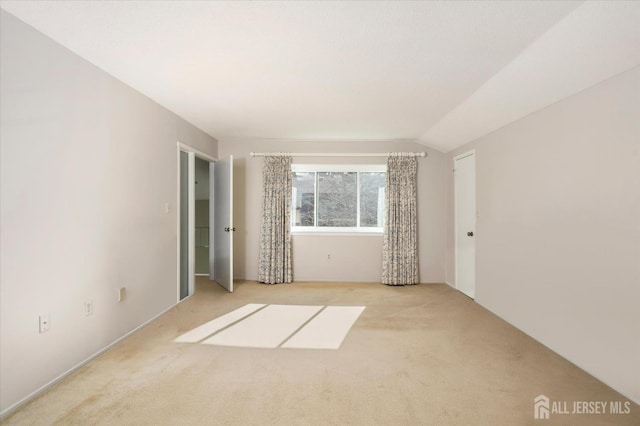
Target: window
<point>338,198</point>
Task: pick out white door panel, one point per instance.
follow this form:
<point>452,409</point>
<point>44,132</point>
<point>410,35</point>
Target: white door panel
<point>222,225</point>
<point>465,223</point>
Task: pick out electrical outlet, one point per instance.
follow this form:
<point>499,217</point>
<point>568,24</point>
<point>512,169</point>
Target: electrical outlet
<point>44,322</point>
<point>122,294</point>
<point>88,308</point>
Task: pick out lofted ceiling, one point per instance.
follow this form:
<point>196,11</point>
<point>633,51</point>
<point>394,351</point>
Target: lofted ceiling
<point>440,73</point>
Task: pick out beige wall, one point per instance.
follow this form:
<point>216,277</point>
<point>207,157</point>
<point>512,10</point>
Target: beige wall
<point>353,258</point>
<point>87,165</point>
<point>558,229</point>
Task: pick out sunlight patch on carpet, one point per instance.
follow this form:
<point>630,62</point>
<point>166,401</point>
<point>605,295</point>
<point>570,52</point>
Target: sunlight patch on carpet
<point>273,326</point>
<point>211,327</point>
<point>265,329</point>
<point>327,330</point>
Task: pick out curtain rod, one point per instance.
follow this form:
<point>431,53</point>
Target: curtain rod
<point>335,154</point>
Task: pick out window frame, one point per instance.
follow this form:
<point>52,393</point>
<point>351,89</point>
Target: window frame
<point>331,230</point>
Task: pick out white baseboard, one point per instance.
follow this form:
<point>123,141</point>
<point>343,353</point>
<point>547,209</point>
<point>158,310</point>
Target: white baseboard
<point>15,407</point>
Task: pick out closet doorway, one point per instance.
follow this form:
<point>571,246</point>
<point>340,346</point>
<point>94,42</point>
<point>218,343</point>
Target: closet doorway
<point>205,219</point>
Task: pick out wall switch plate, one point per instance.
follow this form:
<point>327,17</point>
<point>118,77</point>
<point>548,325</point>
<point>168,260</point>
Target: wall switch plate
<point>44,322</point>
<point>122,294</point>
<point>88,307</point>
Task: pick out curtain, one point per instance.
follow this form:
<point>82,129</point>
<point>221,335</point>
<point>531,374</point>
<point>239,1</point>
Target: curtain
<point>275,232</point>
<point>400,245</point>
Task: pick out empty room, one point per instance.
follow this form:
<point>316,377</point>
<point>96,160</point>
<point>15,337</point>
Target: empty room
<point>319,212</point>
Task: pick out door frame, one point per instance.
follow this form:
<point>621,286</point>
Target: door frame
<point>465,154</point>
<point>192,154</point>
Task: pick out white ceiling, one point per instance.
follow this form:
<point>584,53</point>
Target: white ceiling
<point>441,73</point>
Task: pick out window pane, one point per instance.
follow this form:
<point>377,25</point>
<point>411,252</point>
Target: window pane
<point>303,198</point>
<point>337,199</point>
<point>372,199</point>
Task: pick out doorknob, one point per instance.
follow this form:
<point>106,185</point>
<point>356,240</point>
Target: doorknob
<point>470,234</point>
<point>227,229</point>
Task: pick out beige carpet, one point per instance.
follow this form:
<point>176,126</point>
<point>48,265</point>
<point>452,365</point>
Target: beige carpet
<point>419,355</point>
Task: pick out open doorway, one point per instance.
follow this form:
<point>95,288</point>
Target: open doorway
<point>202,204</point>
<point>193,228</point>
<point>205,233</point>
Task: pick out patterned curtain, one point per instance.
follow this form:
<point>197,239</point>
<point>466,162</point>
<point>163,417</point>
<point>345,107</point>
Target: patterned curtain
<point>400,245</point>
<point>275,233</point>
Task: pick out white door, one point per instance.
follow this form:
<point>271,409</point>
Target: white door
<point>221,225</point>
<point>465,222</point>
